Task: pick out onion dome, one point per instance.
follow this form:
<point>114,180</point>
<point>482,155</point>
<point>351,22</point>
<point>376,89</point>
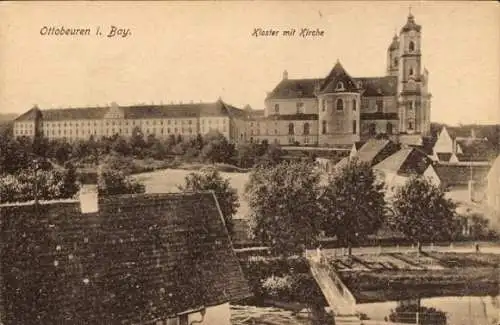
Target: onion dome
<point>395,43</point>
<point>411,25</point>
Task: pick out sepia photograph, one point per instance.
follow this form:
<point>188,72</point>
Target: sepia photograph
<point>249,163</point>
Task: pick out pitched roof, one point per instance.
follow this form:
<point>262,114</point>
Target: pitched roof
<point>444,156</point>
<point>452,175</point>
<point>294,88</point>
<point>336,75</point>
<point>407,161</point>
<point>198,266</point>
<point>374,150</point>
<point>378,86</point>
<point>305,88</point>
<point>475,150</point>
<point>30,115</point>
<point>147,257</point>
<point>359,144</point>
<point>218,108</point>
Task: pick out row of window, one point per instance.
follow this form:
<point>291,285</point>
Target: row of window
<point>339,104</point>
<point>118,123</point>
<point>340,126</point>
<point>112,131</point>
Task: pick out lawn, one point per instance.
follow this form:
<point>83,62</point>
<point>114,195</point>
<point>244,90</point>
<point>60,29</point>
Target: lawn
<point>167,180</point>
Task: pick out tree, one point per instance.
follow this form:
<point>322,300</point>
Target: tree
<point>115,182</point>
<point>283,206</point>
<point>69,185</point>
<point>353,203</point>
<point>217,149</point>
<point>113,177</point>
<point>246,154</point>
<point>13,157</point>
<point>137,142</point>
<point>407,313</point>
<point>209,179</point>
<point>422,212</point>
<point>271,156</point>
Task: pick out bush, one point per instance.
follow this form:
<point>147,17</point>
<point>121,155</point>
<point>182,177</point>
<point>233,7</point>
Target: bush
<point>48,185</point>
<point>277,278</point>
<point>114,182</point>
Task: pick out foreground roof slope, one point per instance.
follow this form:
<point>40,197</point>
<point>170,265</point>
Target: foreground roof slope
<point>138,259</point>
<point>198,265</point>
<point>405,162</point>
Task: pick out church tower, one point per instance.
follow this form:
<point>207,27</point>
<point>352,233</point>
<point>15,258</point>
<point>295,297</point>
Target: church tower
<point>393,57</point>
<point>412,97</point>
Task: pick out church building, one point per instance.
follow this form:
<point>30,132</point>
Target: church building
<point>340,109</point>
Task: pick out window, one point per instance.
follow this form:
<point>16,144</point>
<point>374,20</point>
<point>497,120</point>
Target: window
<point>411,104</point>
<point>340,85</point>
<point>340,104</point>
<point>354,105</point>
<point>300,108</point>
<point>410,125</point>
<point>291,129</point>
<point>323,130</point>
<point>396,62</point>
<point>388,128</point>
<point>379,105</point>
<point>372,129</point>
<point>323,104</point>
<point>411,71</point>
<point>339,125</point>
<point>275,131</point>
<point>276,108</point>
<point>354,127</point>
<point>411,46</point>
<point>306,128</point>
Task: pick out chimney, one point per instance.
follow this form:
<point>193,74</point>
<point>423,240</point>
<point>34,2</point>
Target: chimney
<point>285,75</point>
<point>470,185</point>
<point>88,192</point>
<point>89,198</point>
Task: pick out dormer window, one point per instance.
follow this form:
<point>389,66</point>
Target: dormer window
<point>360,85</point>
<point>340,86</point>
<point>379,105</point>
<point>276,108</point>
<point>411,46</point>
<point>339,104</point>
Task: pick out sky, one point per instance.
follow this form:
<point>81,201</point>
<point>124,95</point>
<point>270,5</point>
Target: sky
<point>200,51</point>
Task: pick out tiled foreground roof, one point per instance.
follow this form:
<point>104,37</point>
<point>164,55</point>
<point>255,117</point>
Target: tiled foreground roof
<point>139,259</point>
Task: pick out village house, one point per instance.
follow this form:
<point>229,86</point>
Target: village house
<point>398,168</point>
<point>458,147</point>
<point>163,259</point>
<point>493,186</point>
